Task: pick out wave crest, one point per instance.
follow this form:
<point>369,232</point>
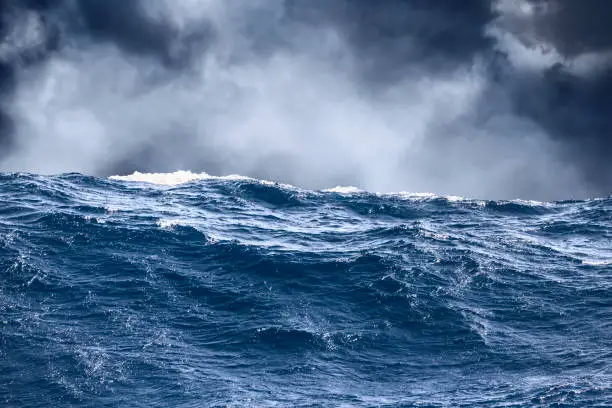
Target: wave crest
<point>173,179</point>
<point>344,190</point>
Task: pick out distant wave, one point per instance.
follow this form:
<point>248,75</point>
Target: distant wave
<point>344,190</point>
<point>185,176</point>
<point>172,179</point>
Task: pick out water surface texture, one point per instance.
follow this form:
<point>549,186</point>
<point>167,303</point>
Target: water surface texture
<point>239,292</point>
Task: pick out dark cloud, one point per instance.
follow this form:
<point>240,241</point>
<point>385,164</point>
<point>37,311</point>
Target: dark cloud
<point>21,57</point>
<point>576,112</point>
<point>574,27</point>
<point>573,105</point>
<point>391,37</point>
<point>7,84</point>
<point>126,24</point>
<point>123,23</point>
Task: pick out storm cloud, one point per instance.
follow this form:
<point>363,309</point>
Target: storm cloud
<point>478,98</point>
<point>567,88</point>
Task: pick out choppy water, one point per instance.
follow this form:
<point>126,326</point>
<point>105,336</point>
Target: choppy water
<point>237,292</point>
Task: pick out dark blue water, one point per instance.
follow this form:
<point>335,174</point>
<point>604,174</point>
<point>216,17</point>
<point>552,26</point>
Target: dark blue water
<point>235,292</point>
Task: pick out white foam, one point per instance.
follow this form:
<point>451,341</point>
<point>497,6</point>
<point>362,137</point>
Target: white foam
<point>174,222</point>
<point>596,262</point>
<point>414,196</point>
<point>173,179</point>
<point>344,190</point>
<point>178,177</point>
<point>531,203</point>
<point>406,195</point>
<point>267,183</point>
<point>182,177</point>
<point>454,199</point>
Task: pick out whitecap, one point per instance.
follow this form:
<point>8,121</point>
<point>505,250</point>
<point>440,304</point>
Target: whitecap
<point>344,190</point>
<point>186,176</point>
<point>175,178</point>
<point>406,195</point>
<point>170,223</point>
<point>596,262</point>
<point>532,203</point>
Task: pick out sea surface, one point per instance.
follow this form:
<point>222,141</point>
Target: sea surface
<point>187,290</point>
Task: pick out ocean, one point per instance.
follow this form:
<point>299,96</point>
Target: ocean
<point>188,290</point>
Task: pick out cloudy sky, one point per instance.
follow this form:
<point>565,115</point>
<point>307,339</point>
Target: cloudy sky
<point>480,98</point>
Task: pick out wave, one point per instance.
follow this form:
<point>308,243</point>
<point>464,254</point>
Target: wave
<point>185,176</point>
<point>237,289</point>
<point>344,190</point>
<point>172,179</point>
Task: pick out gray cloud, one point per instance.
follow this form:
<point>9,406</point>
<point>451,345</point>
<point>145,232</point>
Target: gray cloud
<point>569,89</point>
<point>469,98</point>
<point>392,37</point>
<point>574,27</point>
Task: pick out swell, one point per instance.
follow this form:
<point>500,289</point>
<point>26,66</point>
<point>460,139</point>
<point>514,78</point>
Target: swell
<point>233,291</point>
